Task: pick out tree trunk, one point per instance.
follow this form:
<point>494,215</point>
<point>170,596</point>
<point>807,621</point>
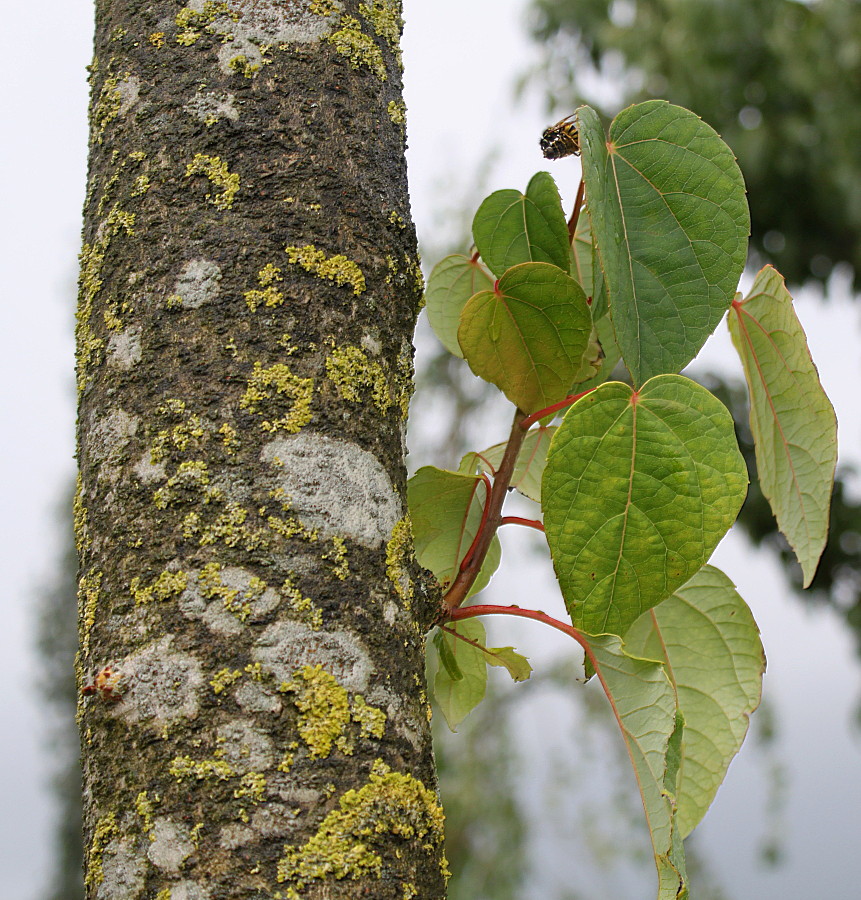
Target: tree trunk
<point>252,712</point>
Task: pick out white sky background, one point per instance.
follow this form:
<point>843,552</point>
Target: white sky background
<point>461,61</point>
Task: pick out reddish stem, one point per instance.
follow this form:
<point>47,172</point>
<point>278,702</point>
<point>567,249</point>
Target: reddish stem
<point>481,525</point>
<point>529,421</point>
<point>575,214</point>
<point>469,612</point>
<point>516,520</point>
<point>491,517</point>
<point>475,256</point>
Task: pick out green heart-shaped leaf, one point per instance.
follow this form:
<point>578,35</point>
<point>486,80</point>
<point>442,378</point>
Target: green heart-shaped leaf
<point>528,336</point>
<point>638,489</point>
<point>445,511</point>
<point>707,637</point>
<point>670,219</point>
<point>511,228</point>
<point>792,420</point>
<point>452,282</point>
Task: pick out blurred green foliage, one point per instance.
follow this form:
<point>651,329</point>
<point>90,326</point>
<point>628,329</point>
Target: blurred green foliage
<point>779,79</point>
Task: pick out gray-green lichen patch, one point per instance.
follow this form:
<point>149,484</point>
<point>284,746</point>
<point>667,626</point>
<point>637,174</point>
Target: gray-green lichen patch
<point>226,598</point>
<point>334,486</point>
<point>170,846</point>
<point>210,107</point>
<point>148,471</point>
<point>106,440</point>
<point>245,748</point>
<point>197,283</point>
<point>163,685</point>
<point>124,348</point>
<point>253,697</point>
<point>277,22</point>
<point>123,871</point>
<point>188,890</point>
<point>285,647</point>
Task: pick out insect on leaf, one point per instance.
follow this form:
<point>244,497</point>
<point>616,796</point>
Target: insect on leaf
<point>669,216</point>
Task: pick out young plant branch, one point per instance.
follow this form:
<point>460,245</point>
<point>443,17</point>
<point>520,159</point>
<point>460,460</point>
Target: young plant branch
<point>491,518</point>
<point>517,520</point>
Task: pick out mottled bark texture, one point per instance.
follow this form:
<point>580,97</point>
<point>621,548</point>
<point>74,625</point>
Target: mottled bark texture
<point>249,287</point>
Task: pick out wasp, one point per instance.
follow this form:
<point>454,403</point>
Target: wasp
<point>561,139</point>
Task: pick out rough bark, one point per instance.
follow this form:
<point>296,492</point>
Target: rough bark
<point>249,287</point>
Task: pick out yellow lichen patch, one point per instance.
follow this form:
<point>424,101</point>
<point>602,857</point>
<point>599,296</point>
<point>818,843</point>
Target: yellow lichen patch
<point>167,585</point>
<point>371,720</point>
<point>396,219</point>
<point>92,259</point>
<point>106,107</point>
<point>144,808</point>
<point>398,112</point>
<point>324,8</point>
<point>141,185</point>
<point>406,384</point>
<point>253,785</point>
<point>324,709</point>
<point>105,831</point>
<point>354,374</point>
<point>335,268</point>
<point>230,437</point>
<point>390,803</point>
<point>163,894</point>
<point>223,679</point>
<point>229,527</point>
<point>157,39</point>
<point>88,599</point>
<point>303,606</point>
<point>286,763</point>
<point>399,554</point>
<point>242,65</point>
<point>385,17</point>
<point>278,379</point>
<point>192,473</point>
<point>182,767</point>
<point>215,169</point>
<point>187,432</point>
<point>83,541</point>
<point>358,48</point>
<point>338,557</point>
<point>193,22</point>
<point>237,602</point>
<point>269,295</point>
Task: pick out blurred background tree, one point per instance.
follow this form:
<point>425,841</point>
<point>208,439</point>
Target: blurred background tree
<point>779,79</point>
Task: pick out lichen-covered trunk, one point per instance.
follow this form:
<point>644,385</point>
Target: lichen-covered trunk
<point>252,710</point>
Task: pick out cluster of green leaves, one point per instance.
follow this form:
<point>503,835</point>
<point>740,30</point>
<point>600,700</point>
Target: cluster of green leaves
<point>639,481</point>
<point>779,79</point>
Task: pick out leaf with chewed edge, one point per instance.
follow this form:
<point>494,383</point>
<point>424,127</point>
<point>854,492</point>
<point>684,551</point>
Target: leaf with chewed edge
<point>710,643</point>
<point>792,420</point>
<point>669,217</point>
